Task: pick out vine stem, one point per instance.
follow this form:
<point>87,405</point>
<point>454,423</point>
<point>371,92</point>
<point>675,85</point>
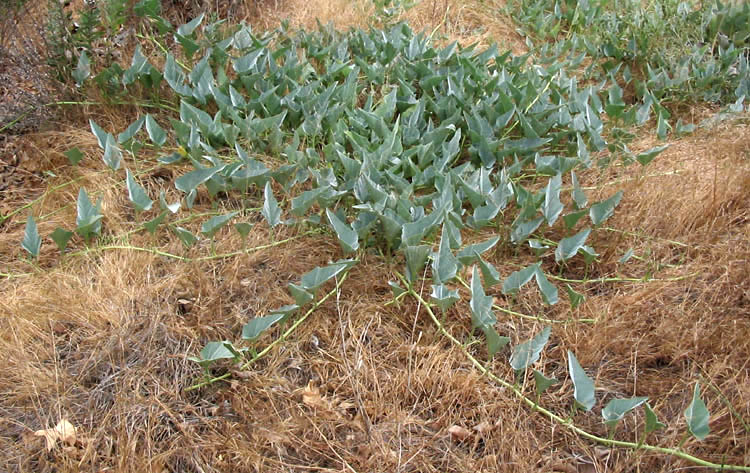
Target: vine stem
<point>283,336</point>
<point>158,252</point>
<point>568,424</point>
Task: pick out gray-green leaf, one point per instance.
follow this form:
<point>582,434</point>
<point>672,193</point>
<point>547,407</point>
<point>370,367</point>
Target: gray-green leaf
<point>568,247</point>
<point>603,210</point>
<point>517,279</point>
<point>32,242</point>
<point>616,409</point>
<point>61,237</point>
<point>253,329</point>
<point>444,264</point>
<point>213,224</point>
<point>156,133</point>
<point>270,211</point>
<point>348,238</point>
<point>697,415</point>
<point>527,353</point>
<point>583,391</point>
<point>549,291</point>
<point>312,280</point>
<point>186,236</point>
<point>137,194</point>
<point>542,382</point>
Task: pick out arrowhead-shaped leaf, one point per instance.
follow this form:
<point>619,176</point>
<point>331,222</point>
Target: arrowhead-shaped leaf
<point>101,135</point>
<point>583,385</point>
<point>542,382</point>
<point>443,297</point>
<point>32,242</point>
<point>489,273</point>
<point>579,196</point>
<point>156,133</point>
<point>301,295</point>
<point>444,264</point>
<point>549,291</point>
<point>154,223</point>
<point>522,230</point>
<point>527,353</point>
<point>217,351</point>
<point>552,205</point>
<point>649,155</point>
<point>312,280</point>
<point>137,194</point>
<point>616,409</point>
<point>652,422</point>
<point>469,253</point>
<point>270,211</point>
<point>82,70</point>
<point>697,415</point>
<point>517,279</point>
<point>214,224</point>
<point>603,210</point>
<point>574,297</point>
<point>253,329</point>
<point>481,304</point>
<point>88,219</point>
<point>61,237</point>
<point>112,154</point>
<point>568,247</point>
<point>495,342</point>
<point>74,155</point>
<point>186,236</point>
<point>416,257</point>
<point>348,238</point>
<point>243,228</point>
<point>190,181</point>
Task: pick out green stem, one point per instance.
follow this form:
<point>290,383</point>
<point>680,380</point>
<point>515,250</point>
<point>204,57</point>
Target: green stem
<point>283,337</point>
<point>566,422</point>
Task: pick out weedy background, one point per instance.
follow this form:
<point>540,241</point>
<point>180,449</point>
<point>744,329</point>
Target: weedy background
<point>101,338</point>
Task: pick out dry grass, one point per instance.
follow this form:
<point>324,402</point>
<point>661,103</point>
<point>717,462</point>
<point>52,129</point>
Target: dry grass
<point>101,337</point>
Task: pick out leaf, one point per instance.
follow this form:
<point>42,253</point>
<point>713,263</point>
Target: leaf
<point>174,208</point>
<point>468,254</point>
<point>154,223</point>
<point>188,28</point>
<point>697,415</point>
<point>568,247</point>
<point>444,264</point>
<point>527,353</point>
<point>572,218</point>
<point>74,155</point>
<point>155,133</point>
<point>214,224</point>
<point>186,236</point>
<point>652,422</point>
<point>521,231</point>
<point>628,254</point>
<point>603,210</point>
<point>130,131</point>
<point>190,181</point>
<point>552,206</point>
<point>574,297</point>
<point>416,257</point>
<point>495,342</point>
<point>101,135</point>
<point>312,280</point>
<point>253,329</point>
<point>481,304</point>
<point>443,297</point>
<point>517,279</point>
<point>243,228</point>
<point>348,238</point>
<point>542,383</point>
<point>112,154</point>
<point>270,211</point>
<point>32,242</point>
<point>217,351</point>
<point>579,196</point>
<point>137,194</point>
<point>88,218</point>
<point>489,273</point>
<point>616,409</point>
<point>396,288</point>
<point>549,291</point>
<point>61,237</point>
<point>64,431</point>
<point>82,70</point>
<point>300,294</point>
<point>648,156</point>
<point>583,385</point>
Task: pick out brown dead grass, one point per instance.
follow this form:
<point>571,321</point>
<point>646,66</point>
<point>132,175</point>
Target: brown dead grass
<point>101,337</point>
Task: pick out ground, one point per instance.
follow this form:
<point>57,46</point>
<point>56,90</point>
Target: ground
<point>101,337</point>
